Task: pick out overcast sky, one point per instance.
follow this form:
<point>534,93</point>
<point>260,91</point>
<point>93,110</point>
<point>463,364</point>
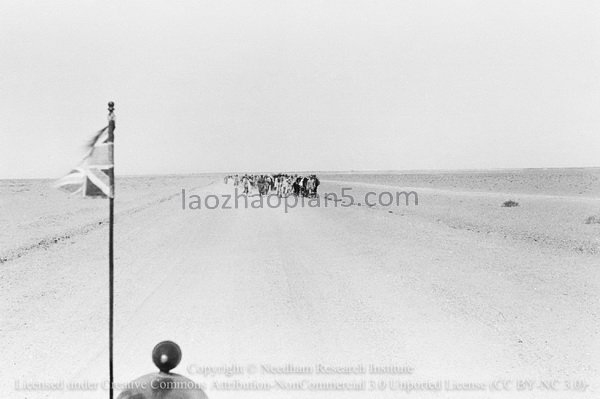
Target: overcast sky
<point>204,86</point>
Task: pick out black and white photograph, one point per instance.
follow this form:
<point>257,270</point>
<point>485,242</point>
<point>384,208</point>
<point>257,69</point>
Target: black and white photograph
<point>300,199</point>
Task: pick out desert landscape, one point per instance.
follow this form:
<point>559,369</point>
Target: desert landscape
<point>454,295</point>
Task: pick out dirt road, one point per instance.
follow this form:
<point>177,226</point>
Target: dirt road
<point>311,289</point>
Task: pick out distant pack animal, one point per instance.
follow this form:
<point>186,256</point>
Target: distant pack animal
<point>312,185</point>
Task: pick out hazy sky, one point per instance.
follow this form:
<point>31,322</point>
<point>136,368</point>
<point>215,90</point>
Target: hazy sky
<point>312,85</point>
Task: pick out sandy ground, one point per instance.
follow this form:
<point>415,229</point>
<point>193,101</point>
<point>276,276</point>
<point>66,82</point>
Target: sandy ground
<point>457,289</point>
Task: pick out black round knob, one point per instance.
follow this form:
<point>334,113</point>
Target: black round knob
<point>166,355</point>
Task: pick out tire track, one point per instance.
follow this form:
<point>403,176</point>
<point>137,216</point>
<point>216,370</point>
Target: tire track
<point>48,241</point>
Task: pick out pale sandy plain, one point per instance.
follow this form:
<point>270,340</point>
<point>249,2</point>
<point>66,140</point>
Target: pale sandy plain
<point>457,288</point>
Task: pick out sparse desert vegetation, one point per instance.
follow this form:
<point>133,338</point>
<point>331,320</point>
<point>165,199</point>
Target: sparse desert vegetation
<point>594,219</point>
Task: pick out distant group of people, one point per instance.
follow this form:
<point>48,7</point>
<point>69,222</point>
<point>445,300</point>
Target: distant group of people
<point>282,184</point>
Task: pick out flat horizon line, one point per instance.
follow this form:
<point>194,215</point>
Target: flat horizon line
<point>351,171</point>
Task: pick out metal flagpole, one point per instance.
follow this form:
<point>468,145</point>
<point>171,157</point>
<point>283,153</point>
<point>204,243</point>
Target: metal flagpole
<point>111,272</point>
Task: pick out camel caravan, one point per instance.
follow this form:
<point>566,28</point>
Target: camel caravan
<point>281,184</point>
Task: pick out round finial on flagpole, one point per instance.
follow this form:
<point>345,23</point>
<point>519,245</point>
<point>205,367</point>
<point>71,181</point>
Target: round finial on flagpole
<point>166,355</point>
<point>111,111</point>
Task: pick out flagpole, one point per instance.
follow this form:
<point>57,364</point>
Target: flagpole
<point>111,268</point>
